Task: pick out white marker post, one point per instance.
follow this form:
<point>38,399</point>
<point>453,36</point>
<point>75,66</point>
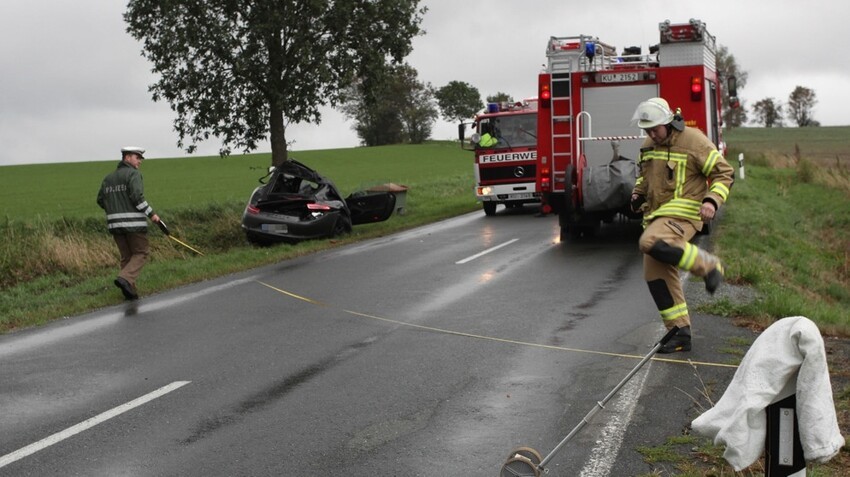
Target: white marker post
<point>741,165</point>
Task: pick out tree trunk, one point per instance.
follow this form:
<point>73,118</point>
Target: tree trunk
<point>278,137</point>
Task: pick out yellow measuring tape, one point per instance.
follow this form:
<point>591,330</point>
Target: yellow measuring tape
<point>491,338</point>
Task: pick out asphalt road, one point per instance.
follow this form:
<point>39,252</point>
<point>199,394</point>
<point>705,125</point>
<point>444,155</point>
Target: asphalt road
<point>427,353</point>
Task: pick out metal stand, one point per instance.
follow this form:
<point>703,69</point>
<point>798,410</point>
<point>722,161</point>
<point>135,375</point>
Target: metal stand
<point>783,455</point>
<point>526,462</point>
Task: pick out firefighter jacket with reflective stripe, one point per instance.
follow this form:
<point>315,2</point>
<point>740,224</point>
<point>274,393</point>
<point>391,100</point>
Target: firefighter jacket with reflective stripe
<point>677,176</point>
<point>122,196</point>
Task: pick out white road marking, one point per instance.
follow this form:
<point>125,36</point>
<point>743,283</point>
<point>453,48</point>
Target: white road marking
<point>87,424</point>
<point>607,448</point>
<point>491,249</point>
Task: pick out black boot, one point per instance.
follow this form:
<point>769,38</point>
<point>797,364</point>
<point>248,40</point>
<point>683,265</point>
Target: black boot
<point>127,289</point>
<point>680,342</point>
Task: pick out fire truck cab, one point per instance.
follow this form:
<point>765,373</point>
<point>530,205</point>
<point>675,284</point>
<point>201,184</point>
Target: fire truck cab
<point>588,94</point>
<point>504,140</point>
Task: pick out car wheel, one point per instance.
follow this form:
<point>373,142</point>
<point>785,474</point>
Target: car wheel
<point>342,226</point>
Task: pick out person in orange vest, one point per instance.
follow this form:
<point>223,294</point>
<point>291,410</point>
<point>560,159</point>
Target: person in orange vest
<point>683,181</point>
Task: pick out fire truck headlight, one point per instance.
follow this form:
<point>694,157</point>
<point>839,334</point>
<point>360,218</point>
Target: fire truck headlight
<point>482,191</point>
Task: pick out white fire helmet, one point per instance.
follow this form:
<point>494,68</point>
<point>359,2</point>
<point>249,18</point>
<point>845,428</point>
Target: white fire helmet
<point>133,150</point>
<point>653,112</point>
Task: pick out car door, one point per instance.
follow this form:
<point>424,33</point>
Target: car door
<point>370,207</point>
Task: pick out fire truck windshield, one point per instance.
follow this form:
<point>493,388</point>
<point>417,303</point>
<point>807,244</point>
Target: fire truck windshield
<point>511,130</point>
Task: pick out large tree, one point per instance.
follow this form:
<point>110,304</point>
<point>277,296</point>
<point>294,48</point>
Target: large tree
<point>458,101</point>
<point>243,70</point>
<point>734,114</point>
<point>801,101</point>
<point>768,112</point>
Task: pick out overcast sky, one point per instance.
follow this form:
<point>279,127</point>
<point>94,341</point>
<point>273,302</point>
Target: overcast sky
<point>74,86</point>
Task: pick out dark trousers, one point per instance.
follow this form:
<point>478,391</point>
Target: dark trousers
<point>134,250</point>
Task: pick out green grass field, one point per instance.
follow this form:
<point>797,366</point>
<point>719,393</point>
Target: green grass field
<point>52,191</point>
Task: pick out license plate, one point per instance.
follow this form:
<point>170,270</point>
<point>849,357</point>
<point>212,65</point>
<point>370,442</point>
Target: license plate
<point>276,228</point>
<point>524,195</point>
<point>617,77</point>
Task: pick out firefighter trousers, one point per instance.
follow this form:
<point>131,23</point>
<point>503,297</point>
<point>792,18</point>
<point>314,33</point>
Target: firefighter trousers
<point>134,250</point>
<point>666,246</point>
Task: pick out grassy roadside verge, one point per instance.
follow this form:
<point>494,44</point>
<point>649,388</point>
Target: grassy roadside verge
<point>65,267</point>
<point>786,235</point>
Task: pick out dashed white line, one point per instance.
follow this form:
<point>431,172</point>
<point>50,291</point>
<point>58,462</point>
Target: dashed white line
<point>87,424</point>
<point>485,252</point>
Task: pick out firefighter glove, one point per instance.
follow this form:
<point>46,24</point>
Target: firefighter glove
<point>637,201</point>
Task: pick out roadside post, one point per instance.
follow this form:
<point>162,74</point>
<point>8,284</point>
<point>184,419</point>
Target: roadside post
<point>741,165</point>
<point>783,450</point>
<point>779,404</point>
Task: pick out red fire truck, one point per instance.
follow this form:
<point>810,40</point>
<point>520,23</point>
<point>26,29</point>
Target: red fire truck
<point>588,94</point>
<point>504,139</point>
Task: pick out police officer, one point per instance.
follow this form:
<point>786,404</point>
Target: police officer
<point>683,180</point>
<point>122,196</point>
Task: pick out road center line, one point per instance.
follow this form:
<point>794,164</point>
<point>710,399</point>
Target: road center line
<point>492,249</point>
<point>87,424</point>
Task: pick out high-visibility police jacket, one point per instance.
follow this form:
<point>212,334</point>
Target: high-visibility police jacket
<point>122,196</point>
<point>677,176</point>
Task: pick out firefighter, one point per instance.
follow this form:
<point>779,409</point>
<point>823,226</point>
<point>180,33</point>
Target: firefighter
<point>683,180</point>
<point>122,196</point>
<point>487,137</point>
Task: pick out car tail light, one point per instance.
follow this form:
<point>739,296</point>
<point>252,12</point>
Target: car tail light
<point>252,210</point>
<point>318,206</point>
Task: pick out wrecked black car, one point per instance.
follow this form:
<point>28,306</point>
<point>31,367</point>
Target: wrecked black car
<point>296,203</point>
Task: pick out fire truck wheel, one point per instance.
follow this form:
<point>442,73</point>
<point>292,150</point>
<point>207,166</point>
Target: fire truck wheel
<point>489,208</point>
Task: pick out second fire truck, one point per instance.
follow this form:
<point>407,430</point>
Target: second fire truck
<point>504,138</point>
<point>588,94</point>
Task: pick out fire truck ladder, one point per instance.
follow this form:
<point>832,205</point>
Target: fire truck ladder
<point>561,126</point>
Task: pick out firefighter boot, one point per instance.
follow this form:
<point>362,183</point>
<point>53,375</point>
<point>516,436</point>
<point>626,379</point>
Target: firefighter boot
<point>714,279</point>
<point>680,342</point>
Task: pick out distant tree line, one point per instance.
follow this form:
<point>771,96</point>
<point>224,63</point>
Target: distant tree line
<point>770,112</point>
